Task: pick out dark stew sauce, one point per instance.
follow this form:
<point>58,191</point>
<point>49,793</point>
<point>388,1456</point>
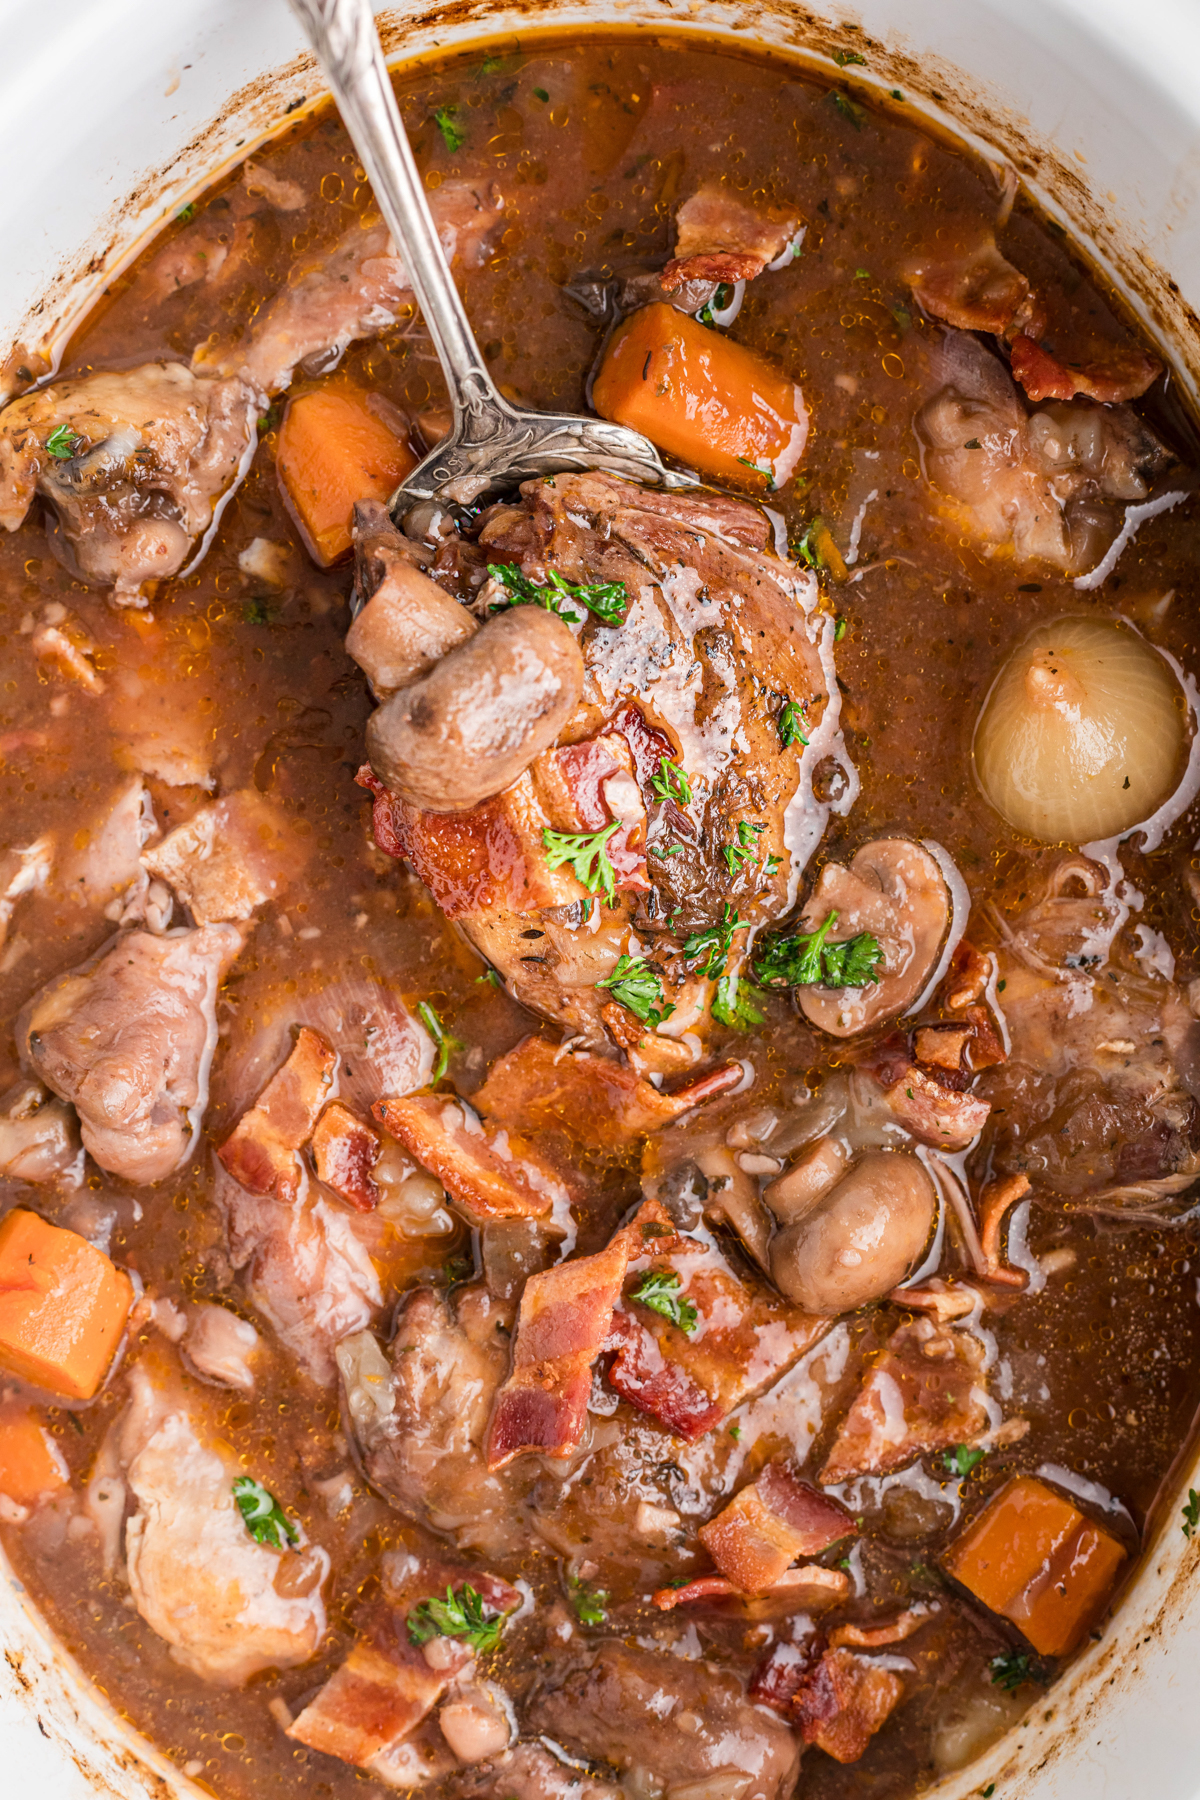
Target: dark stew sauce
<point>1060,1350</point>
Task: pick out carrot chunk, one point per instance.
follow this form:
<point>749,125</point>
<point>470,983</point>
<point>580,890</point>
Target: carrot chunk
<point>63,1306</point>
<point>702,398</point>
<point>30,1462</point>
<point>333,451</point>
<point>1039,1562</point>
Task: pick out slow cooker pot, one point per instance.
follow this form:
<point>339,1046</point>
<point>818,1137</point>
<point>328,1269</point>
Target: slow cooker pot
<point>114,112</point>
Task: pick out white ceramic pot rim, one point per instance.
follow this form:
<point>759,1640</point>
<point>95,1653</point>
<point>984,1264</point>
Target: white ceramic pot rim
<point>1095,102</point>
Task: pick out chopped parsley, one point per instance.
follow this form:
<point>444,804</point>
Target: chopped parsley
<point>809,961</point>
<point>443,1042</point>
<point>660,1293</point>
<point>807,547</point>
<point>453,135</point>
<point>672,782</point>
<point>187,213</point>
<point>735,1432</point>
<point>639,987</point>
<point>962,1459</point>
<point>607,599</point>
<point>589,1603</point>
<point>491,975</point>
<point>849,109</point>
<point>839,631</point>
<point>460,1615</point>
<point>541,94</point>
<point>745,850</point>
<point>721,299</point>
<point>1191,1514</point>
<point>270,419</point>
<point>63,443</point>
<point>262,1514</point>
<point>790,721</point>
<point>258,610</point>
<point>734,1003</point>
<point>842,57</point>
<point>713,943</point>
<point>862,274</point>
<point>1013,1669</point>
<point>586,853</point>
<point>766,469</point>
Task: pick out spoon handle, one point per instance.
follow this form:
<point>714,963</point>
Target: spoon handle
<point>342,32</point>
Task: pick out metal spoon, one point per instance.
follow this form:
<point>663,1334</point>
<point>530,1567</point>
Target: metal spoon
<point>492,444</point>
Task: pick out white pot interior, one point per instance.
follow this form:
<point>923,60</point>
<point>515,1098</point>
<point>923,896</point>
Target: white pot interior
<point>1098,107</point>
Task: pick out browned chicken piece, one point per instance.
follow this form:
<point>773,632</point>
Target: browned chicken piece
<point>227,1606</point>
<point>353,290</point>
<point>263,1151</point>
<point>128,1039</point>
<point>134,462</point>
<point>39,1137</point>
<point>228,858</point>
<point>719,238</point>
<point>627,1707</point>
<point>1039,485</point>
<point>529,1771</point>
<point>926,1391</point>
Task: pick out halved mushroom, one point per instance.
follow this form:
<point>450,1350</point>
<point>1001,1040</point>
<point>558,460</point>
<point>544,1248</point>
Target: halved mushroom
<point>895,890</point>
<point>408,623</point>
<point>859,1238</point>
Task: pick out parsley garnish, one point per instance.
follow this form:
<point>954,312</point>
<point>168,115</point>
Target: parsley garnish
<point>842,57</point>
<point>443,1043</point>
<point>672,782</point>
<point>639,987</point>
<point>715,941</point>
<point>1013,1669</point>
<point>453,135</point>
<point>735,1432</point>
<point>258,610</point>
<point>839,631</point>
<point>270,419</point>
<point>63,443</point>
<point>721,299</point>
<point>607,599</point>
<point>808,961</point>
<point>262,1514</point>
<point>491,976</point>
<point>962,1459</point>
<point>862,274</point>
<point>585,852</point>
<point>187,213</point>
<point>457,1269</point>
<point>739,854</point>
<point>734,1003</point>
<point>589,1603</point>
<point>541,94</point>
<point>1191,1513</point>
<point>789,721</point>
<point>852,113</point>
<point>659,1293</point>
<point>459,1615</point>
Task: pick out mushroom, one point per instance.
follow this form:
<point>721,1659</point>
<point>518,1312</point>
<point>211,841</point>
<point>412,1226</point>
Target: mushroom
<point>895,890</point>
<point>858,1239</point>
<point>464,708</point>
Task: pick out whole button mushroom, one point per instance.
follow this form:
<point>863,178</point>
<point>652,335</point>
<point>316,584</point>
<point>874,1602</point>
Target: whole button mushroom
<point>894,889</point>
<point>859,1239</point>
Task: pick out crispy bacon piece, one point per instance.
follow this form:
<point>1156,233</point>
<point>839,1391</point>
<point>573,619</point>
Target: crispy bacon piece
<point>942,1300</point>
<point>1123,373</point>
<point>228,858</point>
<point>935,1114</point>
<point>967,977</point>
<point>564,1322</point>
<point>924,1392</point>
<point>876,1637</point>
<point>781,1672</point>
<point>379,1695</point>
<point>600,1104</point>
<point>491,1172</point>
<point>720,238</point>
<point>843,1702</point>
<point>985,1049</point>
<point>768,1524</point>
<point>979,290</point>
<point>807,1589</point>
<point>261,1153</point>
<point>994,1204</point>
<point>941,1046</point>
<point>345,1152</point>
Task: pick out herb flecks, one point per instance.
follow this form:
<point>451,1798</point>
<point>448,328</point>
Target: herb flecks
<point>734,1003</point>
<point>1191,1514</point>
<point>460,1615</point>
<point>714,943</point>
<point>809,960</point>
<point>587,854</point>
<point>262,1514</point>
<point>1014,1669</point>
<point>638,986</point>
<point>848,108</point>
<point>589,1604</point>
<point>607,599</point>
<point>660,1292</point>
<point>962,1459</point>
<point>453,135</point>
<point>672,783</point>
<point>745,851</point>
<point>63,443</point>
<point>790,721</point>
<point>443,1042</point>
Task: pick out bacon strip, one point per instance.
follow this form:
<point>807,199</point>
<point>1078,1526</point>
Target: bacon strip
<point>720,238</point>
<point>768,1524</point>
<point>564,1322</point>
<point>1124,373</point>
<point>924,1392</point>
<point>806,1588</point>
<point>261,1153</point>
<point>980,290</point>
<point>379,1695</point>
<point>877,1637</point>
<point>936,1115</point>
<point>843,1702</point>
<point>345,1151</point>
<point>489,1172</point>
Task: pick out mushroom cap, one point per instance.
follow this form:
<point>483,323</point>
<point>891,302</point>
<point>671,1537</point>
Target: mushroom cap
<point>895,889</point>
<point>859,1239</point>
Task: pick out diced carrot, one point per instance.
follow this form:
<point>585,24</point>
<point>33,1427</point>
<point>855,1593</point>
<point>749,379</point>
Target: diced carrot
<point>1035,1559</point>
<point>30,1462</point>
<point>702,398</point>
<point>332,451</point>
<point>63,1306</point>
